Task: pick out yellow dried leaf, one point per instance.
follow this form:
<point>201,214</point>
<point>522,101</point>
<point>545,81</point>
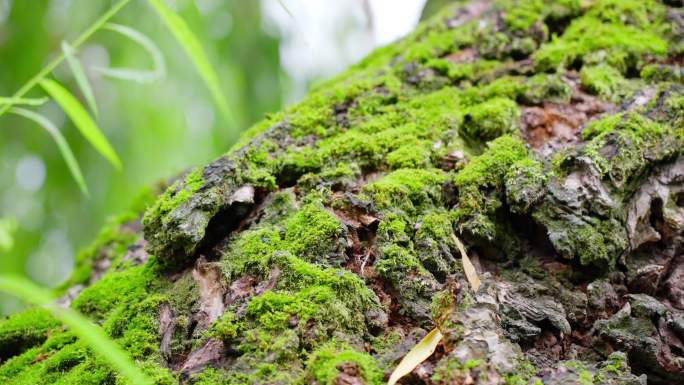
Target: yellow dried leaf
<point>468,267</point>
<point>421,352</point>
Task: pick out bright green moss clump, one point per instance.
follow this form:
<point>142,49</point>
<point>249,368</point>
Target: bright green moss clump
<point>24,330</point>
<point>605,81</point>
<point>407,189</point>
<point>621,33</point>
<point>326,363</point>
<point>491,119</point>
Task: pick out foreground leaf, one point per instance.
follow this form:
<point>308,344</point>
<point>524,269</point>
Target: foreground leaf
<point>82,120</point>
<point>132,74</point>
<point>80,76</point>
<point>468,267</point>
<point>4,101</point>
<point>193,48</point>
<point>88,332</point>
<point>62,144</point>
<point>421,352</point>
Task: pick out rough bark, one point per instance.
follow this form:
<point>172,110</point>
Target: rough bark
<point>547,135</point>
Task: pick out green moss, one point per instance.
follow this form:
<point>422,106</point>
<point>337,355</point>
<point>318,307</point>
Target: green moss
<point>638,140</point>
<point>407,189</point>
<point>543,88</point>
<point>605,81</point>
<point>481,182</point>
<point>227,327</point>
<point>315,234</point>
<point>621,33</point>
<point>129,285</point>
<point>491,119</point>
<point>410,156</point>
<point>24,330</point>
<point>325,364</point>
<point>488,168</point>
<point>252,252</point>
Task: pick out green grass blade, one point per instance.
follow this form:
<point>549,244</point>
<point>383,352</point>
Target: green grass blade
<point>88,332</point>
<point>193,48</point>
<point>62,144</point>
<point>82,120</point>
<point>80,75</point>
<point>22,101</point>
<point>140,76</point>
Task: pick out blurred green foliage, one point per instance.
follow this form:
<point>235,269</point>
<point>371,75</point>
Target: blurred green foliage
<point>158,129</point>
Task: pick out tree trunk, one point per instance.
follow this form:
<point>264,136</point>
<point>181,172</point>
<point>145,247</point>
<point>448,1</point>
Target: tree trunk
<point>546,135</point>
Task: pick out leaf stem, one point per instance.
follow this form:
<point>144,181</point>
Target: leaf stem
<point>58,60</point>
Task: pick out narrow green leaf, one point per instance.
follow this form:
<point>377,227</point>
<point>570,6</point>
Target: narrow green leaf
<point>8,226</point>
<point>193,48</point>
<point>22,101</point>
<point>80,75</point>
<point>88,332</point>
<point>82,120</point>
<point>140,76</point>
<point>62,144</point>
<point>421,352</point>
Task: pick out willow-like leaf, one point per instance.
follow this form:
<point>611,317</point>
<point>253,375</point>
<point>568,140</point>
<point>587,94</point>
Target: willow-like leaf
<point>468,267</point>
<point>88,332</point>
<point>80,76</point>
<point>62,145</point>
<point>141,76</point>
<point>82,120</point>
<point>421,352</point>
<point>193,49</point>
<point>22,101</point>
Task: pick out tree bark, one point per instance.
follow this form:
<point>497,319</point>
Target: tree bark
<point>546,135</point>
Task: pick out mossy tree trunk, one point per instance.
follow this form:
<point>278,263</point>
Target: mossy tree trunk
<point>547,135</point>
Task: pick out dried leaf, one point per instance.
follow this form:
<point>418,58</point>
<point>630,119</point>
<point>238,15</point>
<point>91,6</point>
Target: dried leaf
<point>468,267</point>
<point>421,352</point>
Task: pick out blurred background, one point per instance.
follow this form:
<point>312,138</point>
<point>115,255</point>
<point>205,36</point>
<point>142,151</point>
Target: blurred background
<point>266,52</point>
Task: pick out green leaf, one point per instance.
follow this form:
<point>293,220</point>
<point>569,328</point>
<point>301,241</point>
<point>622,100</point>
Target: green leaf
<point>88,332</point>
<point>421,352</point>
<point>193,48</point>
<point>140,76</point>
<point>82,120</point>
<point>8,226</point>
<point>61,144</point>
<point>22,101</point>
<point>79,74</point>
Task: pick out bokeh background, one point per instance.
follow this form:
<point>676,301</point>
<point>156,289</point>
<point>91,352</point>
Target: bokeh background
<point>266,52</point>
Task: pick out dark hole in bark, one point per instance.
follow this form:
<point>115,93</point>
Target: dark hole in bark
<point>656,217</point>
<point>225,222</point>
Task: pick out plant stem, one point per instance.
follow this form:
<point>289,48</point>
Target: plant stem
<point>57,60</point>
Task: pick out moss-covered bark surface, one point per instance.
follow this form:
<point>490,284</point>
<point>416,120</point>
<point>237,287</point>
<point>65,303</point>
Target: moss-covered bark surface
<point>547,135</point>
